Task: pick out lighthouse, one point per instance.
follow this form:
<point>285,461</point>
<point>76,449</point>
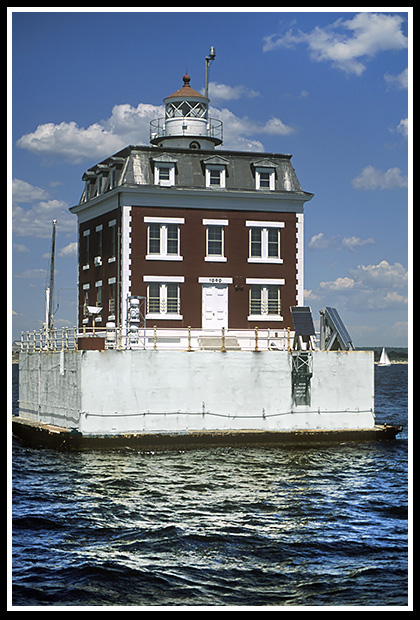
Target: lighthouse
<point>186,123</point>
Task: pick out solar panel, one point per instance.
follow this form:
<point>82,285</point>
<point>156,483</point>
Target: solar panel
<point>336,333</point>
<point>302,320</point>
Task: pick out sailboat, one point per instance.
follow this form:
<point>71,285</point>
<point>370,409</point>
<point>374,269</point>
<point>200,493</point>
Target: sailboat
<point>384,361</point>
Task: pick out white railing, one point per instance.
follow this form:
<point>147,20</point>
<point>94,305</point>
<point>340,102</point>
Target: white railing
<point>181,339</point>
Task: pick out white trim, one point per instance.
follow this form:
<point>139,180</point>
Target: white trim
<point>299,260</point>
<point>268,281</point>
<point>125,259</point>
<point>260,224</point>
<point>164,182</point>
<point>112,223</point>
<point>265,317</point>
<point>99,228</point>
<point>272,180</point>
<point>164,257</point>
<point>215,280</point>
<point>163,279</point>
<point>164,220</point>
<point>269,259</point>
<point>215,222</point>
<point>164,317</point>
<point>215,259</point>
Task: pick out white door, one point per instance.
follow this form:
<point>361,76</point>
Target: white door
<point>215,306</point>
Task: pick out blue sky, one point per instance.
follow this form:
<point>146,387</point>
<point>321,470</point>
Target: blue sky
<point>330,87</point>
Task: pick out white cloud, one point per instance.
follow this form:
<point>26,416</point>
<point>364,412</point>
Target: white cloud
<point>219,92</point>
<point>399,81</point>
<point>403,127</point>
<point>126,125</point>
<point>69,250</point>
<point>356,242</point>
<point>35,221</point>
<point>130,125</point>
<point>348,44</point>
<point>25,192</point>
<point>372,178</point>
<point>321,242</point>
<point>369,287</point>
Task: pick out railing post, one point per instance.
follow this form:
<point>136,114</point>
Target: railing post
<point>256,339</point>
<point>223,349</point>
<point>189,337</point>
<point>154,337</point>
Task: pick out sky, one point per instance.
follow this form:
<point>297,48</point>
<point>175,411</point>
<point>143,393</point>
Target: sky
<point>331,87</point>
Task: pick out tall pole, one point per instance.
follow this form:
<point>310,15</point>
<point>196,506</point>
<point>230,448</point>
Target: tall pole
<point>51,289</point>
<point>210,57</point>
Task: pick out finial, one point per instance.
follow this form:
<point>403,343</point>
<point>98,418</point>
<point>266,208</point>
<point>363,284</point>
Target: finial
<point>186,79</point>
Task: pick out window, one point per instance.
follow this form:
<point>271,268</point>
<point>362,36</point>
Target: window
<point>265,178</point>
<point>264,299</point>
<point>264,242</point>
<point>98,286</point>
<point>164,174</point>
<point>163,238</point>
<point>163,298</point>
<point>113,241</point>
<point>215,176</point>
<point>111,297</point>
<point>215,240</point>
<point>84,253</point>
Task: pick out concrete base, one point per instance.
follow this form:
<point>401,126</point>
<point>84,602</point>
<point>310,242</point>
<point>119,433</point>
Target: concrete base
<point>112,392</point>
<point>39,435</point>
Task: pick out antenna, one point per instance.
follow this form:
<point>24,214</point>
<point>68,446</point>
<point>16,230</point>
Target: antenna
<point>50,290</point>
<point>209,58</point>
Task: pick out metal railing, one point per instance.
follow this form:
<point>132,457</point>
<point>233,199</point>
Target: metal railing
<point>180,339</point>
<point>158,129</point>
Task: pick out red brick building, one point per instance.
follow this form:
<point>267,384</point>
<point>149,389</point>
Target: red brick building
<point>208,238</point>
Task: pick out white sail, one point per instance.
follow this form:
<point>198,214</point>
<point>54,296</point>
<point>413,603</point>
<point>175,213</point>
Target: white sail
<point>384,361</point>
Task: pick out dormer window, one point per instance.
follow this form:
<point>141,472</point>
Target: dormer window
<point>215,171</point>
<point>164,170</point>
<point>265,175</point>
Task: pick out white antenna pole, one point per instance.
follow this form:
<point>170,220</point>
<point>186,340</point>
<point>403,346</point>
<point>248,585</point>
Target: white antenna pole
<point>209,58</point>
<point>51,288</point>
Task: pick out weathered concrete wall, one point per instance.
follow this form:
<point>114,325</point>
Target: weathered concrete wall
<point>49,387</point>
<point>170,391</point>
<point>173,391</point>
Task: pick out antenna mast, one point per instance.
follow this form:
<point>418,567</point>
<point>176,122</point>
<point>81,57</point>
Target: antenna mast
<point>209,58</point>
<point>49,291</point>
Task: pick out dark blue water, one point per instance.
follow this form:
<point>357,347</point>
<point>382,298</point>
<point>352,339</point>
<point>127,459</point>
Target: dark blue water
<point>216,527</point>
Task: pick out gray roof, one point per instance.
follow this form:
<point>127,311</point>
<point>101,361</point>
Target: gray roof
<point>134,166</point>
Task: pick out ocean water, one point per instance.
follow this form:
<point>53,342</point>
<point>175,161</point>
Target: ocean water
<point>221,527</point>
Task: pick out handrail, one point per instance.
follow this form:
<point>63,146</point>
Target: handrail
<point>181,339</point>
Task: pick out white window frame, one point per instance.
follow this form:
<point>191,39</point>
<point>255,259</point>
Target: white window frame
<point>215,258</point>
<point>265,226</point>
<point>86,248</point>
<point>218,167</point>
<point>264,283</point>
<point>164,182</point>
<point>163,224</point>
<point>272,179</point>
<point>163,282</point>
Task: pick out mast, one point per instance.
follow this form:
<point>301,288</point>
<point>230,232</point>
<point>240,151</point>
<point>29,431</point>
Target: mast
<point>49,291</point>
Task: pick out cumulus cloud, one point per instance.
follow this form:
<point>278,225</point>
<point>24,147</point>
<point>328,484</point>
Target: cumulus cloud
<point>126,125</point>
<point>35,220</point>
<point>219,92</point>
<point>322,242</point>
<point>130,125</point>
<point>369,287</point>
<point>399,81</point>
<point>371,178</point>
<point>347,44</point>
